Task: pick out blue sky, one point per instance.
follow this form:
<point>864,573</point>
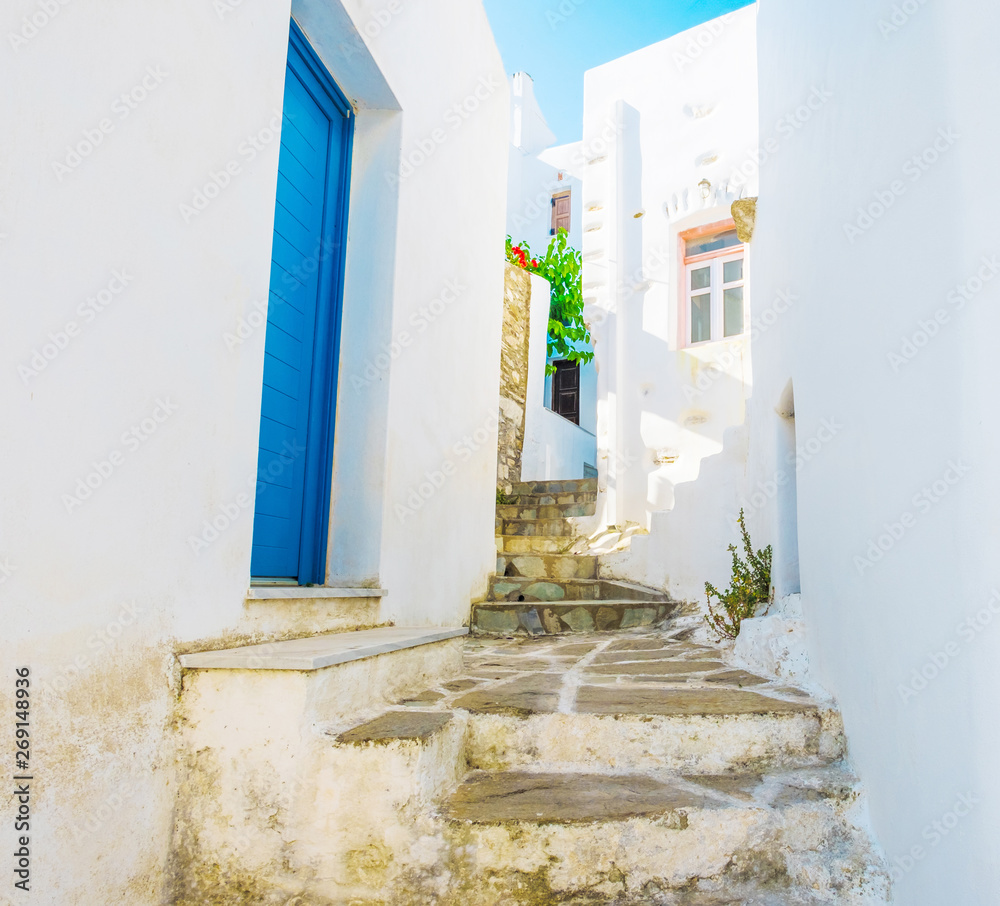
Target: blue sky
<point>556,41</point>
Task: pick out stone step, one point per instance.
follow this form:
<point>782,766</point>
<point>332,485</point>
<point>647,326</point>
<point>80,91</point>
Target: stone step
<point>504,618</point>
<point>377,781</point>
<point>547,527</point>
<point>539,566</point>
<point>568,486</point>
<point>534,544</point>
<point>553,499</point>
<point>287,610</point>
<point>633,701</point>
<point>631,769</point>
<point>536,513</point>
<point>546,836</point>
<point>260,747</point>
<point>529,588</point>
<point>664,721</point>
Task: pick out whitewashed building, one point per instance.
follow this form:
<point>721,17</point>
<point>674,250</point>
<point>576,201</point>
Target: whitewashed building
<point>671,139</point>
<point>231,420</point>
<point>873,436</point>
<point>865,447</point>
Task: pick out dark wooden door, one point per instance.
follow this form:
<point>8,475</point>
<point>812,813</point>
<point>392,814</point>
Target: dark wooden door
<point>566,390</point>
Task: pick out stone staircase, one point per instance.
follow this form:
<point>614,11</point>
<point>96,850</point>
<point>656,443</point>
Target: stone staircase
<point>547,579</point>
<point>630,768</point>
<point>562,764</point>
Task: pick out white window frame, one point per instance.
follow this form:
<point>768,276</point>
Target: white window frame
<point>715,261</point>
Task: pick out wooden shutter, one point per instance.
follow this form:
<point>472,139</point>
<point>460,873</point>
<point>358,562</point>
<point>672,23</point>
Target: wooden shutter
<point>561,207</point>
<point>566,390</point>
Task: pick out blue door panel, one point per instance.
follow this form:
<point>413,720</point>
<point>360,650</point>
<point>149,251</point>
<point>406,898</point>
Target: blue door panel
<point>269,527</point>
<point>287,346</point>
<point>289,321</point>
<point>276,440</point>
<point>277,501</point>
<point>301,177</point>
<point>292,267</point>
<point>296,234</point>
<point>276,402</point>
<point>281,376</point>
<point>301,349</point>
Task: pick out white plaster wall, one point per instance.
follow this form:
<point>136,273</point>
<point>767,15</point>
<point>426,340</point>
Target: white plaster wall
<point>656,122</point>
<point>438,546</point>
<point>687,545</point>
<point>99,590</point>
<point>898,74</point>
<point>99,594</point>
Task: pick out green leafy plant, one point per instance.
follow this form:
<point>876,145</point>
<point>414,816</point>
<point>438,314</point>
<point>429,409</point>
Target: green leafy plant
<point>502,496</point>
<point>562,266</point>
<point>750,586</point>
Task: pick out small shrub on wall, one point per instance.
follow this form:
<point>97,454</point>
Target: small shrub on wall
<point>750,586</point>
<point>562,266</point>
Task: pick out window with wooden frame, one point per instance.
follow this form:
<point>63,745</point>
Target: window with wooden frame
<point>714,287</point>
<point>561,207</point>
<point>566,390</point>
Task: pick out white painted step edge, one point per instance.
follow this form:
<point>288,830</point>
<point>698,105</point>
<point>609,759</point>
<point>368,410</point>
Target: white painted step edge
<point>317,652</point>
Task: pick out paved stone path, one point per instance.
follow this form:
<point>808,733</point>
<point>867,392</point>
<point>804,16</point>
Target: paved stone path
<point>636,768</point>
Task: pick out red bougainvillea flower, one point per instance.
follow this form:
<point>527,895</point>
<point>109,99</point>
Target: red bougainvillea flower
<point>534,262</point>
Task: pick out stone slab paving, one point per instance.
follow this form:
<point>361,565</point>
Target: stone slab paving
<point>566,797</point>
<point>635,769</point>
<point>397,725</point>
<point>633,674</point>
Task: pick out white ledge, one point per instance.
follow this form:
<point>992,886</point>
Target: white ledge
<point>271,592</point>
<point>319,651</point>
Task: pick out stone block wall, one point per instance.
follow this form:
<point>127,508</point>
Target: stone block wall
<point>513,375</point>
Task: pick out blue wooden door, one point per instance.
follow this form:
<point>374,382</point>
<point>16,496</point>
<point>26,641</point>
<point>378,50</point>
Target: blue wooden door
<point>303,318</point>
